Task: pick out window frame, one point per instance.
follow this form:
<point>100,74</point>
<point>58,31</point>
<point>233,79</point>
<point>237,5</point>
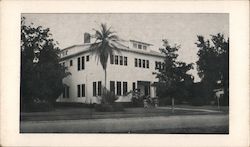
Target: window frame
<point>118,88</point>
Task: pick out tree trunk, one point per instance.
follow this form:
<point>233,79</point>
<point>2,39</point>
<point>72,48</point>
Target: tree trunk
<point>172,105</point>
<point>105,82</point>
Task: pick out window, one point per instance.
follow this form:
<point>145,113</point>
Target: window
<point>139,46</point>
<point>63,64</point>
<point>112,59</point>
<point>156,65</point>
<point>121,60</point>
<point>94,88</point>
<point>112,86</point>
<point>78,63</point>
<point>144,47</point>
<point>99,88</point>
<point>139,62</point>
<point>118,85</point>
<point>143,63</point>
<point>78,91</point>
<point>66,92</point>
<point>83,62</point>
<point>83,90</point>
<point>125,87</point>
<point>134,45</point>
<point>116,60</point>
<point>125,61</point>
<point>71,62</point>
<point>133,86</point>
<point>87,58</point>
<point>136,62</point>
<point>147,63</point>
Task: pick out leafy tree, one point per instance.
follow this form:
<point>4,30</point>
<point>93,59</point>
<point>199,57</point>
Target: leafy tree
<point>41,73</point>
<point>213,63</point>
<point>104,46</point>
<point>173,77</point>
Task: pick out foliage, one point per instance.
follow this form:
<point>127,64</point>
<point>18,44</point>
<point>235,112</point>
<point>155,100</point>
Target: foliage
<point>213,63</point>
<point>104,46</point>
<point>108,97</point>
<point>174,81</point>
<point>41,73</point>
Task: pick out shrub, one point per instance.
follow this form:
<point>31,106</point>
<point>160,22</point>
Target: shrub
<point>108,97</point>
<point>37,107</point>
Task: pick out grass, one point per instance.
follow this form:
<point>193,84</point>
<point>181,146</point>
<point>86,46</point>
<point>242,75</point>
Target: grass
<point>70,113</point>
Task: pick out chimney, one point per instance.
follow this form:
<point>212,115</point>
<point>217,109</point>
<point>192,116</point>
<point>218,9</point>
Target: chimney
<point>86,38</point>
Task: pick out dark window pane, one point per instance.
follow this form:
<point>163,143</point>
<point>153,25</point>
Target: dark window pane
<point>83,90</point>
<point>118,85</point>
<point>87,58</point>
<point>136,62</point>
<point>125,61</point>
<point>144,47</point>
<point>112,86</point>
<point>112,59</point>
<point>139,46</point>
<point>139,62</point>
<point>78,63</point>
<point>116,59</point>
<point>64,92</point>
<point>67,91</point>
<point>99,88</point>
<point>94,88</point>
<point>83,62</point>
<point>147,63</point>
<point>133,86</point>
<point>125,87</point>
<point>143,63</point>
<point>71,62</point>
<point>121,60</point>
<point>78,91</point>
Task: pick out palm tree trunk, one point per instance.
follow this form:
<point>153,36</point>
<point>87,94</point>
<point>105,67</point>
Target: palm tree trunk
<point>105,82</point>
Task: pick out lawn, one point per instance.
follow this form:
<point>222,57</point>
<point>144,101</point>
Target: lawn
<point>71,113</point>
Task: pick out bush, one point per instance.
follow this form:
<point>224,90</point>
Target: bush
<point>108,97</point>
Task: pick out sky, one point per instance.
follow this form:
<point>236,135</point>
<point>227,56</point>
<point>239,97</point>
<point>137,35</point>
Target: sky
<point>178,28</point>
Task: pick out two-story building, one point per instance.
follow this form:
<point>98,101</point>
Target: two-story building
<point>131,68</point>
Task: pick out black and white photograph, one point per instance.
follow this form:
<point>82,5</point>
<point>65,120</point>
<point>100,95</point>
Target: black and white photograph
<point>142,73</point>
<point>124,73</point>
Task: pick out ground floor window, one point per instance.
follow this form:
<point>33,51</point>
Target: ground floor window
<point>66,92</point>
<point>133,86</point>
<point>99,88</point>
<point>125,87</point>
<point>112,86</point>
<point>94,88</point>
<point>81,90</point>
<point>118,85</point>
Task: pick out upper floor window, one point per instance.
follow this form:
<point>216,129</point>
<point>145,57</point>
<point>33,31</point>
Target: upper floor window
<point>121,60</point>
<point>147,63</point>
<point>71,62</point>
<point>143,63</point>
<point>139,62</point>
<point>81,63</point>
<point>116,60</point>
<point>112,59</point>
<point>144,47</point>
<point>87,58</point>
<point>125,61</point>
<point>136,62</point>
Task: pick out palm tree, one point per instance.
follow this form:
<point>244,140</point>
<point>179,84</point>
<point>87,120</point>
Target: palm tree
<point>104,46</point>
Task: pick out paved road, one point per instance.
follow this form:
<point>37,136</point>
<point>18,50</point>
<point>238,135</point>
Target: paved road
<point>127,124</point>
